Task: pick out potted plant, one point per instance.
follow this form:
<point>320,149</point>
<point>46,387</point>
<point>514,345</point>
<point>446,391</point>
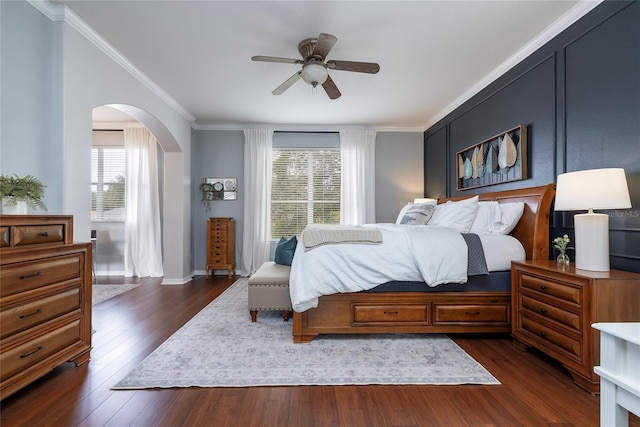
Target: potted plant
<point>28,191</point>
<point>207,194</point>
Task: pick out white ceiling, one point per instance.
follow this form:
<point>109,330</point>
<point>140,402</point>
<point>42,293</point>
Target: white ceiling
<point>432,54</point>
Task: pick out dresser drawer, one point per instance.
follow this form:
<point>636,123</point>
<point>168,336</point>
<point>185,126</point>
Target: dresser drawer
<point>550,337</point>
<point>409,313</point>
<point>562,291</point>
<point>23,235</point>
<point>547,311</point>
<point>4,237</point>
<point>29,275</point>
<point>30,313</point>
<point>470,313</point>
<point>28,353</point>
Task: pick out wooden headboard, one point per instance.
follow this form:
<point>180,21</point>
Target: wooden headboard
<point>533,228</point>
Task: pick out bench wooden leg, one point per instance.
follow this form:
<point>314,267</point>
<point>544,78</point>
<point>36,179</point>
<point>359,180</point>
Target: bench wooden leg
<point>254,315</point>
<point>286,314</point>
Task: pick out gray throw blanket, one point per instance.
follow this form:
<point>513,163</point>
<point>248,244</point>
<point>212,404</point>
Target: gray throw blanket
<point>477,262</point>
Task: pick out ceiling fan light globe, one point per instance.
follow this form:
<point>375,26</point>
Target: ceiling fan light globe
<point>314,74</point>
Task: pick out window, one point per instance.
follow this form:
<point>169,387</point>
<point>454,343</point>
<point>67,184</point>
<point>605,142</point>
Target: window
<point>305,189</point>
<point>107,184</point>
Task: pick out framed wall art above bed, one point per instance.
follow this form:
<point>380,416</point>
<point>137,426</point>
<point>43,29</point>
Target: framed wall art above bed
<point>501,158</point>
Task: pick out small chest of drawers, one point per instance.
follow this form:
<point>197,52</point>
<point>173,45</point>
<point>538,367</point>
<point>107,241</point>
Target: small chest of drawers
<point>554,308</point>
<point>45,298</point>
<point>221,245</point>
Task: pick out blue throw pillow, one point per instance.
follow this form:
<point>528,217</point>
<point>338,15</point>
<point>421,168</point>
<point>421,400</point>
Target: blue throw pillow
<point>285,250</point>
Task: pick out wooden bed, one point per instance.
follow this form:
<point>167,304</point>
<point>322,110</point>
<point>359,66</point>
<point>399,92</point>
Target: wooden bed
<point>434,312</point>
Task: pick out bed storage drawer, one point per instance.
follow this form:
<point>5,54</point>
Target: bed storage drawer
<point>471,313</point>
<point>401,313</point>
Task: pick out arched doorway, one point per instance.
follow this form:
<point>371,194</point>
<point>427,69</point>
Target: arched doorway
<point>109,119</point>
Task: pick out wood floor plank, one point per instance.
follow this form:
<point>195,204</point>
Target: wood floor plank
<point>534,390</point>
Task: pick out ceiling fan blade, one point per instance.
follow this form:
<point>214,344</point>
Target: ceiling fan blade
<point>324,44</point>
<point>359,67</point>
<point>287,83</point>
<point>276,59</point>
<point>330,87</point>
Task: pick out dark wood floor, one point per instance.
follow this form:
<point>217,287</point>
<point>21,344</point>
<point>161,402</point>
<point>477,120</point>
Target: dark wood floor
<point>535,391</point>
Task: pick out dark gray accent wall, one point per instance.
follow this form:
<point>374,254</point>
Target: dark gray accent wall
<point>579,95</point>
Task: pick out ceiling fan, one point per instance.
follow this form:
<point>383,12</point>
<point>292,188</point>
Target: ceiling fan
<point>314,68</point>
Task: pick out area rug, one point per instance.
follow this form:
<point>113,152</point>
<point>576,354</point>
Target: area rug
<point>101,293</point>
<point>221,347</point>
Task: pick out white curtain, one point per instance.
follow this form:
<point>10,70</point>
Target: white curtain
<point>256,236</point>
<point>358,195</point>
<point>142,239</point>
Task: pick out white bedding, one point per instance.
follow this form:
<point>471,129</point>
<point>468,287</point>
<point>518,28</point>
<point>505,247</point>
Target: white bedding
<point>434,255</point>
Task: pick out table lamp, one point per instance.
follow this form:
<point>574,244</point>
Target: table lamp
<point>592,189</point>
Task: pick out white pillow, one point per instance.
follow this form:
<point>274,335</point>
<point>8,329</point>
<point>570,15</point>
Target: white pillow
<point>402,212</point>
<point>511,214</point>
<point>457,215</point>
<point>487,215</point>
<point>419,214</point>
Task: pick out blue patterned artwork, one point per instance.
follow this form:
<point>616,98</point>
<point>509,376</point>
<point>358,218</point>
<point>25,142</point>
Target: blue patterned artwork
<point>501,158</point>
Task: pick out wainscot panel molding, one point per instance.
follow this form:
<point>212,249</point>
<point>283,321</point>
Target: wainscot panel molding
<point>578,94</point>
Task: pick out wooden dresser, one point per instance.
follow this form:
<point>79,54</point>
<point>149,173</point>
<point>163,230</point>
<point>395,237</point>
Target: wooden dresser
<point>221,245</point>
<point>45,298</point>
<point>554,308</point>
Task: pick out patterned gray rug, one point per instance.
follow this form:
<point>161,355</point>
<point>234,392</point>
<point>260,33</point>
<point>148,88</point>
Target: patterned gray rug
<point>221,347</point>
<point>101,293</point>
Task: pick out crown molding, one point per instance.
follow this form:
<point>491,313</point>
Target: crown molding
<point>565,21</point>
<point>63,13</point>
<point>284,127</point>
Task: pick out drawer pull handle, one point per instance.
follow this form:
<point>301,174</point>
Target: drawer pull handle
<point>543,288</point>
<point>38,311</point>
<point>39,273</point>
<point>471,313</point>
<point>543,334</point>
<point>391,313</point>
<point>45,234</point>
<point>543,310</point>
<point>31,353</point>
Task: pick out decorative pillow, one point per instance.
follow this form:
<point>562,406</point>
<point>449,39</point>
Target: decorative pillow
<point>402,212</point>
<point>419,214</point>
<point>487,215</point>
<point>457,215</point>
<point>285,250</point>
<point>511,214</point>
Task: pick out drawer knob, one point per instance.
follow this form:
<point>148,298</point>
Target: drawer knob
<point>39,273</point>
<point>31,353</point>
<point>543,310</point>
<point>391,313</point>
<point>45,234</point>
<point>543,334</point>
<point>471,313</point>
<point>543,288</point>
<point>38,311</point>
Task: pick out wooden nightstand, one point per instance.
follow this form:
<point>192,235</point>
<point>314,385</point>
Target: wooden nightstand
<point>554,307</point>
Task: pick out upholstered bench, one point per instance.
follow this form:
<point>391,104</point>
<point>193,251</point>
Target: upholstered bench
<point>269,290</point>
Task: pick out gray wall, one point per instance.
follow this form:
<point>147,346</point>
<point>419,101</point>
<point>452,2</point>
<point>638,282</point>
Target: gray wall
<point>52,76</point>
<point>399,179</point>
<point>579,95</point>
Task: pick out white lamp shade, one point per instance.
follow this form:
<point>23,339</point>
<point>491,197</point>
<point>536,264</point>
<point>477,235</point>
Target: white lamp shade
<point>314,74</point>
<point>592,189</point>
